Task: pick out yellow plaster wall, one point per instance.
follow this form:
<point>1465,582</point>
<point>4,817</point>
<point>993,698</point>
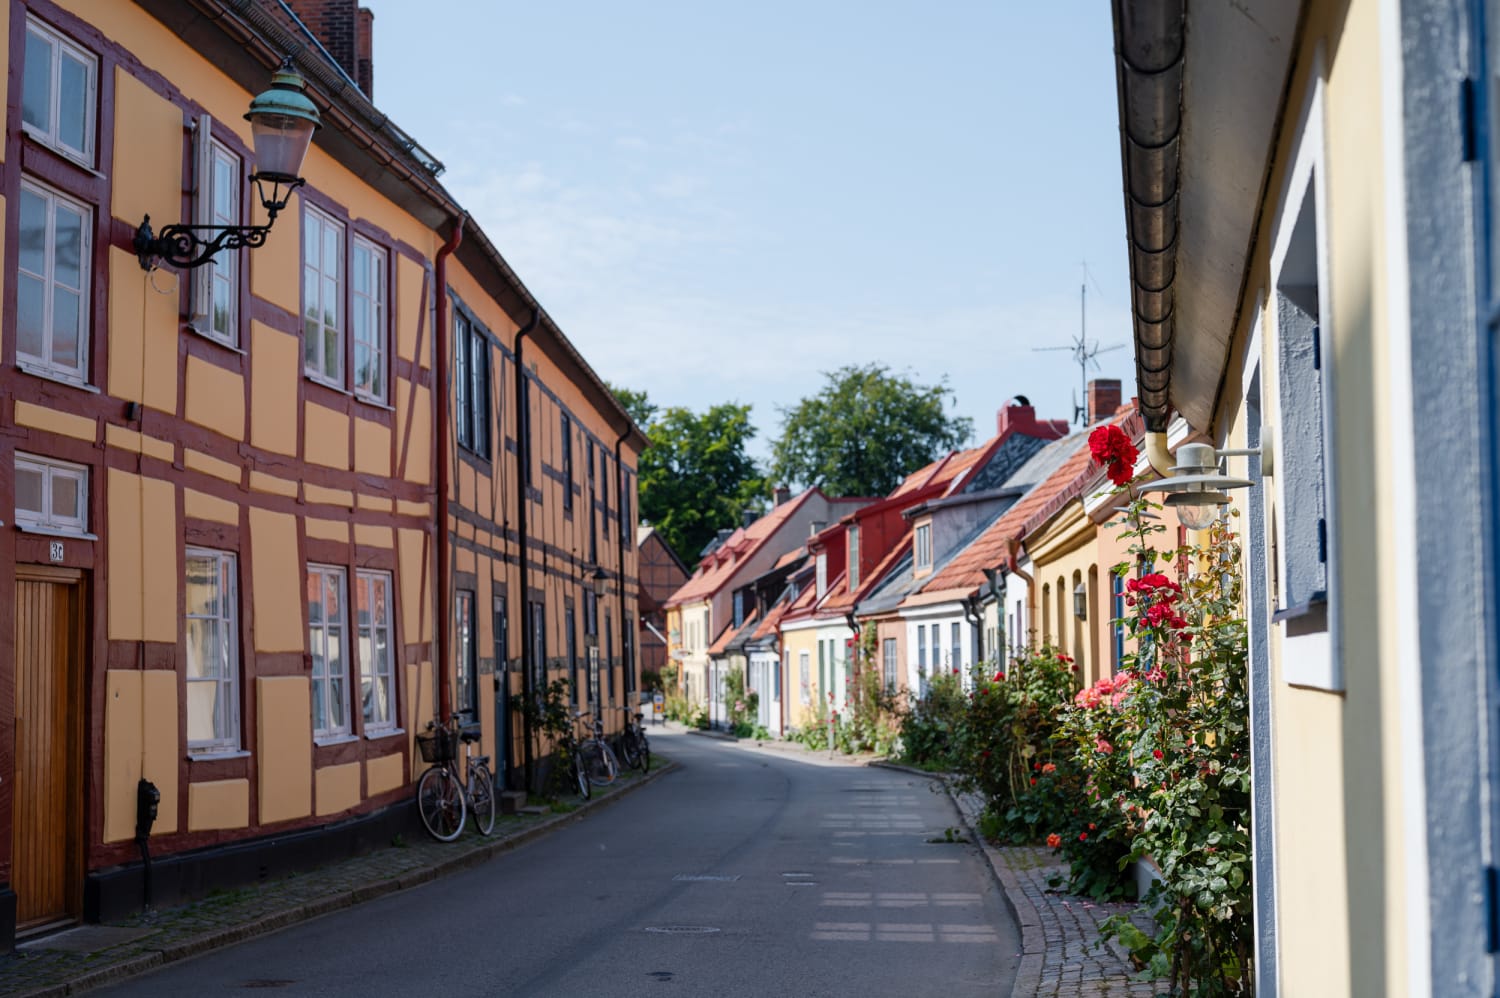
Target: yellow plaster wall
<point>798,714</point>
<point>372,448</point>
<point>328,497</point>
<point>337,788</point>
<point>218,804</point>
<point>162,450</point>
<point>326,436</point>
<point>419,710</point>
<point>202,506</point>
<point>410,306</point>
<point>140,740</point>
<point>274,368</point>
<point>262,482</point>
<point>142,516</point>
<point>123,736</point>
<point>382,504</point>
<point>417,446</point>
<point>384,774</point>
<point>370,535</point>
<point>215,398</point>
<point>144,181</point>
<point>55,421</point>
<point>123,580</point>
<point>413,553</point>
<point>327,530</point>
<point>277,584</point>
<point>276,268</point>
<point>210,465</point>
<point>284,747</point>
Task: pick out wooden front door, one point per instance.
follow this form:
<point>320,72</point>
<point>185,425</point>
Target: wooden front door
<point>46,850</point>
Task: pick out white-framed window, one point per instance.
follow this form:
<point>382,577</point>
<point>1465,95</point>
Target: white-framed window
<point>211,609</point>
<point>958,646</point>
<point>822,571</point>
<point>1301,324</point>
<point>377,673</point>
<point>59,92</point>
<point>51,495</point>
<point>328,628</point>
<point>322,297</point>
<point>467,680</point>
<point>471,385</point>
<point>804,666</point>
<point>52,300</point>
<point>921,547</point>
<point>888,663</point>
<point>853,558</point>
<point>367,319</point>
<point>216,201</point>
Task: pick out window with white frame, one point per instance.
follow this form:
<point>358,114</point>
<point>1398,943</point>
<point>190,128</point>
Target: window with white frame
<point>921,547</point>
<point>216,201</point>
<point>467,693</point>
<point>853,558</point>
<point>327,624</point>
<point>51,495</point>
<point>52,293</point>
<point>1305,542</point>
<point>804,664</point>
<point>957,646</point>
<point>377,676</point>
<point>322,297</point>
<point>822,571</point>
<point>888,663</point>
<point>471,385</point>
<point>921,650</point>
<point>367,319</point>
<point>59,92</point>
<point>211,610</point>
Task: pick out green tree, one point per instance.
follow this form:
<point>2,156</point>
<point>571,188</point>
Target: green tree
<point>696,478</point>
<point>636,403</point>
<point>865,431</point>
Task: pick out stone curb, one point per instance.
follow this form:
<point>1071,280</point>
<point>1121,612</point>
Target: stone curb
<point>220,938</point>
<point>1033,944</point>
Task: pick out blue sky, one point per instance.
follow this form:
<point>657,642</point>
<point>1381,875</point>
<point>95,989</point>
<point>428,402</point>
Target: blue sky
<point>721,201</point>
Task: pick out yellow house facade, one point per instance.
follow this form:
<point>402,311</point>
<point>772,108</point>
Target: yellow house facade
<point>221,505</point>
<point>1312,254</point>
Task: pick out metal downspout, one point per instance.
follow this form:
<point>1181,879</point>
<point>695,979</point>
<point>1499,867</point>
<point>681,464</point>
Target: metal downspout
<point>1013,565</point>
<point>622,523</point>
<point>975,617</point>
<point>443,345</point>
<point>1149,46</point>
<point>523,540</point>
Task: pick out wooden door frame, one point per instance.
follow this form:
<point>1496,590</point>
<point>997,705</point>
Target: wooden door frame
<point>76,579</point>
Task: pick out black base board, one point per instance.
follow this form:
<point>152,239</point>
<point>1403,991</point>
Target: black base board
<point>7,919</point>
<point>119,891</point>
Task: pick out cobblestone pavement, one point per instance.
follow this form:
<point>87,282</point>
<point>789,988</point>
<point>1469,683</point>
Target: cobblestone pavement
<point>1062,955</point>
<point>98,955</point>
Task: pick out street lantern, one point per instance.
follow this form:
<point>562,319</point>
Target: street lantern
<point>598,578</point>
<point>282,121</point>
<point>1081,602</point>
<point>1195,489</point>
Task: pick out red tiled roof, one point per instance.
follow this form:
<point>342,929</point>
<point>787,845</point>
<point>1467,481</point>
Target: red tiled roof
<point>719,646</point>
<point>966,571</point>
<point>716,568</point>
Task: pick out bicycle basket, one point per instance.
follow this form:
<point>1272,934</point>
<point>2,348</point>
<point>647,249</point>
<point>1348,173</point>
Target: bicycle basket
<point>437,746</point>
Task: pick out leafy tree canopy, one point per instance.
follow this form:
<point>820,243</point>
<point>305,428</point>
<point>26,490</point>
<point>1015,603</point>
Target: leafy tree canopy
<point>696,477</point>
<point>865,431</point>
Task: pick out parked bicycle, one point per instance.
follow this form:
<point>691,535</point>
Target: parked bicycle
<point>595,756</point>
<point>572,753</point>
<point>445,799</point>
<point>635,750</point>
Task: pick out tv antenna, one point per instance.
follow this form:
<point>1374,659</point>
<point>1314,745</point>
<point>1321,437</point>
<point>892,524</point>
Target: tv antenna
<point>1084,354</point>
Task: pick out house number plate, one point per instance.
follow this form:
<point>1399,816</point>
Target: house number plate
<point>55,550</point>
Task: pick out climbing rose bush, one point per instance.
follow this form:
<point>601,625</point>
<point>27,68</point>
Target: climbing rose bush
<point>1114,450</point>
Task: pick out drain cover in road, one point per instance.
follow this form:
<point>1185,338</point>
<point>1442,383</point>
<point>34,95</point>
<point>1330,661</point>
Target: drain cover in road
<point>722,877</point>
<point>685,930</point>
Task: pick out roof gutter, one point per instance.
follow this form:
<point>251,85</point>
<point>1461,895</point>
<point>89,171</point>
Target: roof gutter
<point>1149,50</point>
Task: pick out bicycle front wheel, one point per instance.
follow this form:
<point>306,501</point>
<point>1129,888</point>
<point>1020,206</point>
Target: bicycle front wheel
<point>629,752</point>
<point>440,801</point>
<point>645,753</point>
<point>603,767</point>
<point>482,799</point>
<point>579,770</point>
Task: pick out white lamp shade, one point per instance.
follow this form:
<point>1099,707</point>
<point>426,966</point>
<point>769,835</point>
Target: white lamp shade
<point>281,143</point>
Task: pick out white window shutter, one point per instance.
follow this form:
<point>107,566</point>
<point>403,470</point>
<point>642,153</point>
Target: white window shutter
<point>201,294</point>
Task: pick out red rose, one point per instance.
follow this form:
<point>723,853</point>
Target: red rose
<point>1083,836</point>
<point>1091,826</point>
<point>1054,841</point>
<point>1156,753</point>
<point>1033,781</point>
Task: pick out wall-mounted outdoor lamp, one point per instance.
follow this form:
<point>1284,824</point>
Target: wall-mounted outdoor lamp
<point>1195,488</point>
<point>1081,602</point>
<point>598,578</point>
<point>282,122</point>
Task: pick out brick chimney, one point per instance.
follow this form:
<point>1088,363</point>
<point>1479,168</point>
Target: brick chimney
<point>1019,416</point>
<point>364,51</point>
<point>345,30</point>
<point>1104,398</point>
<point>782,494</point>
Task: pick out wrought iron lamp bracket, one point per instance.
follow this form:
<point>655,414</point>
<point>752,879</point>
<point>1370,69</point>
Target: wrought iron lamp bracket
<point>187,246</point>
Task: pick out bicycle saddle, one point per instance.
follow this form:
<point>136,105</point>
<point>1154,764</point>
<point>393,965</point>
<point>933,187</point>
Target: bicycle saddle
<point>469,737</point>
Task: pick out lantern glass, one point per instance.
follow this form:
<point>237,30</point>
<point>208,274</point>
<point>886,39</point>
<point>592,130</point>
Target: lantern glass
<point>281,142</point>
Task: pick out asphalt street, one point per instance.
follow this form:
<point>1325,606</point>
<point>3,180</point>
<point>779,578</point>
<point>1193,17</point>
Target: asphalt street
<point>747,872</point>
